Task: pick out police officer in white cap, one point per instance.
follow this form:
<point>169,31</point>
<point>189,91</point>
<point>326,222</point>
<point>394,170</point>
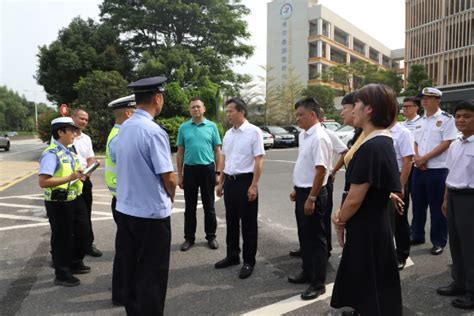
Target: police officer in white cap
<point>123,109</point>
<point>66,211</point>
<point>433,135</point>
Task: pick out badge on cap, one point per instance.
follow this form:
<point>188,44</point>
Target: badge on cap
<point>152,84</point>
<point>431,92</point>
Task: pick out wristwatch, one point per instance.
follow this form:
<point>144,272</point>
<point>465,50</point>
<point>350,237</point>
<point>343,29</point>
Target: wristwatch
<point>312,198</point>
<point>218,173</point>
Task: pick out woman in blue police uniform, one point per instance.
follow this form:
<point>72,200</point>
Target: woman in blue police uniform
<point>66,212</point>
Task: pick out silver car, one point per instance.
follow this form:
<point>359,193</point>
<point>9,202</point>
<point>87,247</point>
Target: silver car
<point>5,142</point>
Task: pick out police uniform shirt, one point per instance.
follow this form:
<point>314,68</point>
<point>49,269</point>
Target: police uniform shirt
<point>460,162</point>
<point>49,162</point>
<point>402,143</point>
<point>240,147</point>
<point>315,149</point>
<point>430,132</point>
<point>411,124</point>
<point>142,153</point>
<point>84,150</point>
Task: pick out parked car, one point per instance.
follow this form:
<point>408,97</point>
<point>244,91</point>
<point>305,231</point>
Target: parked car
<point>5,142</point>
<point>332,125</point>
<point>268,140</point>
<point>295,130</point>
<point>345,133</point>
<point>280,135</point>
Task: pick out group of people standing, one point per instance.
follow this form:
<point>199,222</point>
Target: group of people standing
<point>379,178</point>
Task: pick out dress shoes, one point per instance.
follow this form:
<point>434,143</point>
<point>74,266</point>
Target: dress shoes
<point>213,244</point>
<point>465,302</point>
<point>312,292</point>
<point>93,252</point>
<point>401,264</point>
<point>436,250</point>
<point>450,290</point>
<point>245,271</point>
<point>296,253</point>
<point>67,282</point>
<point>416,242</point>
<point>227,262</point>
<point>186,245</point>
<point>300,278</point>
<point>80,268</point>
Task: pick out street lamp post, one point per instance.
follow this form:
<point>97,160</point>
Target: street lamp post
<point>36,107</point>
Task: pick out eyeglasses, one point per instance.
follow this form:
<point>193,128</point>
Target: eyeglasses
<point>408,106</point>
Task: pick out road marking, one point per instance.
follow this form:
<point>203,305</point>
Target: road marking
<point>24,218</point>
<point>16,181</point>
<point>277,160</point>
<point>295,302</point>
<point>29,197</point>
<point>23,206</point>
<point>45,224</point>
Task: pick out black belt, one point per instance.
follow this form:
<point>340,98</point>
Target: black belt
<point>306,189</point>
<point>239,176</point>
<point>461,191</point>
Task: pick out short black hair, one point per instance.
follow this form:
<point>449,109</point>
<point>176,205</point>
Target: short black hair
<point>55,132</point>
<point>310,104</point>
<point>348,98</point>
<point>464,105</point>
<point>240,105</point>
<point>415,100</point>
<point>145,97</point>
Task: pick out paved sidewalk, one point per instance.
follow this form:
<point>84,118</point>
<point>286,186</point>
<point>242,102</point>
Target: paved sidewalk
<point>11,172</point>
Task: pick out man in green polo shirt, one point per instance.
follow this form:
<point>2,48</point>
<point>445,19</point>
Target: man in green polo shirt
<point>198,159</point>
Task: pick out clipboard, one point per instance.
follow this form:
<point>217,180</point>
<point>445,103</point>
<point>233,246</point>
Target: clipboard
<point>88,171</point>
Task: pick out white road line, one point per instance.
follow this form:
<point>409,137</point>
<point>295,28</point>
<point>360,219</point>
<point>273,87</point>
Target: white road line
<point>23,218</point>
<point>277,160</point>
<point>23,206</point>
<point>295,302</point>
<point>45,224</point>
<point>290,304</point>
<point>29,197</point>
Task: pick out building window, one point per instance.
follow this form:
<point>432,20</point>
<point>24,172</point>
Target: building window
<point>284,50</point>
<point>283,59</point>
<point>284,32</point>
<point>283,42</point>
<point>284,68</point>
<point>284,24</point>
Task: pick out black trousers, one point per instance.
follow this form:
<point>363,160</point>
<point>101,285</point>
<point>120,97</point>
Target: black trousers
<point>461,239</point>
<point>312,234</point>
<point>69,234</point>
<point>239,209</point>
<point>203,178</point>
<point>401,227</point>
<point>118,272</point>
<point>143,248</point>
<point>328,213</point>
<point>87,198</point>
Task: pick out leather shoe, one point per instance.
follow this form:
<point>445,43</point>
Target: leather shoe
<point>80,268</point>
<point>436,250</point>
<point>213,244</point>
<point>450,290</point>
<point>227,262</point>
<point>67,282</point>
<point>94,252</point>
<point>313,292</point>
<point>300,278</point>
<point>465,302</point>
<point>246,271</point>
<point>296,253</point>
<point>186,245</point>
<point>416,242</point>
<point>401,264</point>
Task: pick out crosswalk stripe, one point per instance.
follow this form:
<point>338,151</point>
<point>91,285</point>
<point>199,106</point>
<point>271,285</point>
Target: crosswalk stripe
<point>24,218</point>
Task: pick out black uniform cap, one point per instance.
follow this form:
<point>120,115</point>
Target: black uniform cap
<point>125,102</point>
<point>148,85</point>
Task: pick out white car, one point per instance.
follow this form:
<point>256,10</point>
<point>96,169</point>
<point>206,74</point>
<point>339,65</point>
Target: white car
<point>5,142</point>
<point>345,133</point>
<point>268,140</point>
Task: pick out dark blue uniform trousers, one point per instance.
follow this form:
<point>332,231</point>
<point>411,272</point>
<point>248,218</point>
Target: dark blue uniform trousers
<point>428,190</point>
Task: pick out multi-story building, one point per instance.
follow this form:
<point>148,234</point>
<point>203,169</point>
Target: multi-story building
<point>440,36</point>
<point>306,38</point>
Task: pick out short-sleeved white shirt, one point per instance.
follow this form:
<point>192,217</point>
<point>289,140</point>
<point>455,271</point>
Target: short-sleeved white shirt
<point>240,147</point>
<point>402,143</point>
<point>83,145</point>
<point>430,132</point>
<point>338,146</point>
<point>411,124</point>
<point>315,149</point>
<point>460,162</point>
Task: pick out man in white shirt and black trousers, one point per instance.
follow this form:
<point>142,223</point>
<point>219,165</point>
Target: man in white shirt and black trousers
<point>243,153</point>
<point>83,147</point>
<point>310,177</point>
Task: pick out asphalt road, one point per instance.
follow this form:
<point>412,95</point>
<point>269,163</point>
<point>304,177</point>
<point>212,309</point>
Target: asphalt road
<point>195,287</point>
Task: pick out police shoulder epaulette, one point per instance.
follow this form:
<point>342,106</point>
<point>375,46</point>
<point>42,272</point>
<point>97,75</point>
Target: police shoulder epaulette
<point>446,114</point>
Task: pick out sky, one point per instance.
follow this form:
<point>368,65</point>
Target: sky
<point>27,24</point>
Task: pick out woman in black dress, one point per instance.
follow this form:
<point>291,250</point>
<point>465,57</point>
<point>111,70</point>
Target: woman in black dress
<point>367,278</point>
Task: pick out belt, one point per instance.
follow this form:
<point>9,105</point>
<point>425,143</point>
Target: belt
<point>306,189</point>
<point>461,191</point>
<point>238,176</point>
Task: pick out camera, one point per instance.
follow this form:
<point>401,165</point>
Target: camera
<point>59,195</point>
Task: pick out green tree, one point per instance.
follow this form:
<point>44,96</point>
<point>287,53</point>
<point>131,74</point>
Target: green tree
<point>417,79</point>
<point>184,40</point>
<point>95,91</point>
<point>388,77</point>
<point>14,110</point>
<point>324,95</point>
<point>82,47</point>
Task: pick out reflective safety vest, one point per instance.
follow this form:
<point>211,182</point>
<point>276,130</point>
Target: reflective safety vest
<point>64,170</point>
<point>110,169</point>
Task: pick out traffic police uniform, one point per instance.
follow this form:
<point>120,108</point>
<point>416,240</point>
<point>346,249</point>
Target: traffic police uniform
<point>66,212</point>
<point>111,181</point>
<point>428,185</point>
<point>142,155</point>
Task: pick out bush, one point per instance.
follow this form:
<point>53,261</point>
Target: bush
<point>171,125</point>
<point>44,124</point>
